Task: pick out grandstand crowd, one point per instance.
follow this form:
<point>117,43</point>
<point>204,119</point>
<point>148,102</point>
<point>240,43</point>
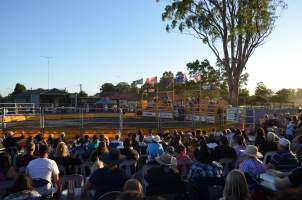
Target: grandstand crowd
<point>227,165</point>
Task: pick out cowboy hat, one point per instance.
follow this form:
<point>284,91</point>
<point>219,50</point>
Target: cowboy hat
<point>156,139</point>
<point>164,159</point>
<point>252,151</point>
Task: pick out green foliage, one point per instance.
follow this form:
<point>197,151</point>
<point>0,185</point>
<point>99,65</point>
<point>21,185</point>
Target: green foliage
<point>19,88</point>
<point>263,91</point>
<point>232,29</point>
<point>107,88</point>
<point>122,87</point>
<point>284,96</point>
<point>244,96</point>
<point>166,81</point>
<point>83,94</point>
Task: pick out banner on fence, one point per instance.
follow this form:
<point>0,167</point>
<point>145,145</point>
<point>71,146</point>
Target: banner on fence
<point>233,114</point>
<point>149,114</point>
<point>166,115</point>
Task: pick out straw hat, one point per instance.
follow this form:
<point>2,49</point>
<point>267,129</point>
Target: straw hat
<point>164,159</point>
<point>156,139</point>
<point>252,151</point>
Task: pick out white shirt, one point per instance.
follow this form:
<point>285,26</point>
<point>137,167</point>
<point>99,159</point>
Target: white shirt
<point>42,168</point>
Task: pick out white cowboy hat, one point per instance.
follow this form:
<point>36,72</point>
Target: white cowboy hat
<point>252,151</point>
<point>156,139</point>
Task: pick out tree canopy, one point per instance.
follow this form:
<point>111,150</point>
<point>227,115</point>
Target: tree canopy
<point>19,88</point>
<point>83,94</point>
<point>107,87</point>
<point>232,29</point>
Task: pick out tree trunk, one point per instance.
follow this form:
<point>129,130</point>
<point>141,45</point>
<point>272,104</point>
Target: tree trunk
<point>233,90</point>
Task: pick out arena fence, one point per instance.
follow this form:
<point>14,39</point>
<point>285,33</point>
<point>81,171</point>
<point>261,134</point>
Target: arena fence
<point>77,120</point>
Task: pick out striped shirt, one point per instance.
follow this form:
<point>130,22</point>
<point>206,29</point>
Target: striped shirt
<point>284,162</point>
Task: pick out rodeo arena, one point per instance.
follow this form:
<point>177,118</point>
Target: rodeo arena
<point>155,146</point>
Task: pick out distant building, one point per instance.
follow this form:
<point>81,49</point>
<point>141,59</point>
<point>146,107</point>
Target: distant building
<point>53,97</point>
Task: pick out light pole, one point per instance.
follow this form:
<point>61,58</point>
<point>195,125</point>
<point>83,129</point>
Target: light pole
<point>48,69</point>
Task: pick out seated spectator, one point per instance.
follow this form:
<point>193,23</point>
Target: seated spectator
<point>251,164</point>
<point>116,143</point>
<point>182,153</point>
<point>7,171</point>
<point>62,157</point>
<point>128,150</point>
<point>236,187</point>
<point>260,137</point>
<point>107,179</point>
<point>297,146</point>
<point>11,141</point>
<point>238,144</point>
<point>204,173</point>
<point>291,127</point>
<point>23,190</point>
<point>44,173</point>
<point>142,146</point>
<point>223,150</point>
<point>93,145</point>
<point>284,160</point>
<point>154,148</point>
<point>294,179</point>
<point>163,179</point>
<point>204,166</point>
<point>270,144</point>
<point>176,140</point>
<point>211,142</point>
<point>134,186</point>
<point>99,152</point>
<point>149,137</point>
<point>230,134</point>
<point>183,161</point>
<point>23,160</point>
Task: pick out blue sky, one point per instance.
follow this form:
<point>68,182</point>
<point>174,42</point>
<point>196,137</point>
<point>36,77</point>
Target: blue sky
<point>97,41</point>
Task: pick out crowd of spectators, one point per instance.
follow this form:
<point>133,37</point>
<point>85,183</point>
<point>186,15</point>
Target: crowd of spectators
<point>224,165</point>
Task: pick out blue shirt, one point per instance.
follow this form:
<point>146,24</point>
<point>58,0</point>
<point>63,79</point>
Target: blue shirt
<point>290,129</point>
<point>154,150</point>
<point>213,169</point>
<point>253,166</point>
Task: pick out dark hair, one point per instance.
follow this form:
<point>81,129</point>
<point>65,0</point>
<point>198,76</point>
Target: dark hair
<point>43,149</point>
<point>180,148</point>
<point>202,154</point>
<point>238,139</point>
<point>30,146</point>
<point>260,132</point>
<point>5,163</point>
<point>23,182</point>
<point>127,143</point>
<point>223,140</point>
<point>94,137</point>
<point>117,136</point>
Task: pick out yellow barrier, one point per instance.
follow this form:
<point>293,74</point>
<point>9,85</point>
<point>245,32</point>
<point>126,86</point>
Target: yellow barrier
<point>19,118</point>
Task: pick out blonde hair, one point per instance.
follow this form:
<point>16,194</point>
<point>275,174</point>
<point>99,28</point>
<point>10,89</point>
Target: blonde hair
<point>236,187</point>
<point>62,150</point>
<point>133,185</point>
